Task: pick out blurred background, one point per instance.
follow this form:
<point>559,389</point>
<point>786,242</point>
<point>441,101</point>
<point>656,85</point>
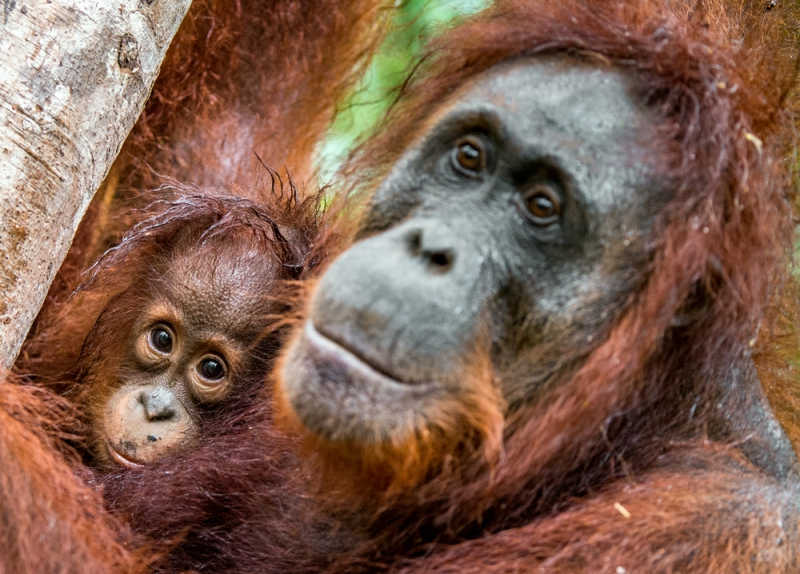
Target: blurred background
<point>414,22</point>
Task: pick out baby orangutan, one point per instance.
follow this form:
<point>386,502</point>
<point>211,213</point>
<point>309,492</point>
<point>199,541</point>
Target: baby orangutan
<point>181,323</point>
<point>189,344</point>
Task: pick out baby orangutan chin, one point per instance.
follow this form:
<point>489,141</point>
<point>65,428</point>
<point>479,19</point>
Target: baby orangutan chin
<point>179,325</point>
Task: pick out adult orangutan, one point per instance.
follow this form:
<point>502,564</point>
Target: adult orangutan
<point>537,352</point>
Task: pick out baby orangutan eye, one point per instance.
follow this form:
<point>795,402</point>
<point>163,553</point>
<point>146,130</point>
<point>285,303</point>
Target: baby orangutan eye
<point>212,369</point>
<point>161,339</point>
<point>210,378</point>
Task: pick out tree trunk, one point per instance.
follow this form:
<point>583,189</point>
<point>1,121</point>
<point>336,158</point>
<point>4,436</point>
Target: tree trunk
<point>74,76</point>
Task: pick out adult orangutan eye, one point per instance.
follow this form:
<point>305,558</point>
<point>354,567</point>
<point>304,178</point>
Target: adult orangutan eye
<point>469,156</point>
<point>212,368</point>
<point>161,339</point>
<point>543,204</point>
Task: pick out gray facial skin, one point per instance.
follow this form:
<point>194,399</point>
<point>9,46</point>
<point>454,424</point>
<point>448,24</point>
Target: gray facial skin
<point>453,261</point>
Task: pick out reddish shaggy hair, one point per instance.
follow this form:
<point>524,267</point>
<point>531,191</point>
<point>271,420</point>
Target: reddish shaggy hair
<point>244,83</point>
<point>61,354</point>
<point>582,478</point>
<point>719,74</point>
<point>241,455</point>
<point>42,502</point>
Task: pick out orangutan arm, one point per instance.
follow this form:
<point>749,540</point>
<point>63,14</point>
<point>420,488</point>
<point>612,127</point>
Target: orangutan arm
<point>703,521</point>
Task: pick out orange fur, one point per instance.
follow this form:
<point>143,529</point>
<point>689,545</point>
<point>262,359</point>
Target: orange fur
<point>638,413</point>
<point>49,520</point>
<point>244,82</point>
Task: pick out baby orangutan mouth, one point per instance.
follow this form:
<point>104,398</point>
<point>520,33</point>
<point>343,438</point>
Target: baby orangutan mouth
<point>121,459</point>
<point>144,424</point>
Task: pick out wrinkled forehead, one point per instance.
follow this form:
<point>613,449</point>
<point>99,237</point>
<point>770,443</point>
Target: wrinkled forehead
<point>223,283</point>
<point>555,94</point>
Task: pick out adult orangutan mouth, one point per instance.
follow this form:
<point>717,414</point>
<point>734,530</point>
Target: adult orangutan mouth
<point>338,395</point>
<point>121,459</point>
<point>348,357</point>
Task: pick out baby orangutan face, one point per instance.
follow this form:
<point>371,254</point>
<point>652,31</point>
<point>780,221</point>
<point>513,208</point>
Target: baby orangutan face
<point>192,341</point>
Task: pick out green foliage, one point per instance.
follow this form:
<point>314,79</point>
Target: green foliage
<point>415,22</point>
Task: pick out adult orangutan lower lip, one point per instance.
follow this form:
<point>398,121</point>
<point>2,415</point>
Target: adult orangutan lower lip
<point>120,459</point>
<point>341,397</point>
<point>345,354</point>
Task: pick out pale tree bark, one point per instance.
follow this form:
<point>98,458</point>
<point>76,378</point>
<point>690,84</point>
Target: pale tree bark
<point>74,76</point>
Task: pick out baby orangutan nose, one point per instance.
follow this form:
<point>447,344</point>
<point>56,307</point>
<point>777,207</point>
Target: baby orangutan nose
<point>144,424</point>
<point>159,405</point>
